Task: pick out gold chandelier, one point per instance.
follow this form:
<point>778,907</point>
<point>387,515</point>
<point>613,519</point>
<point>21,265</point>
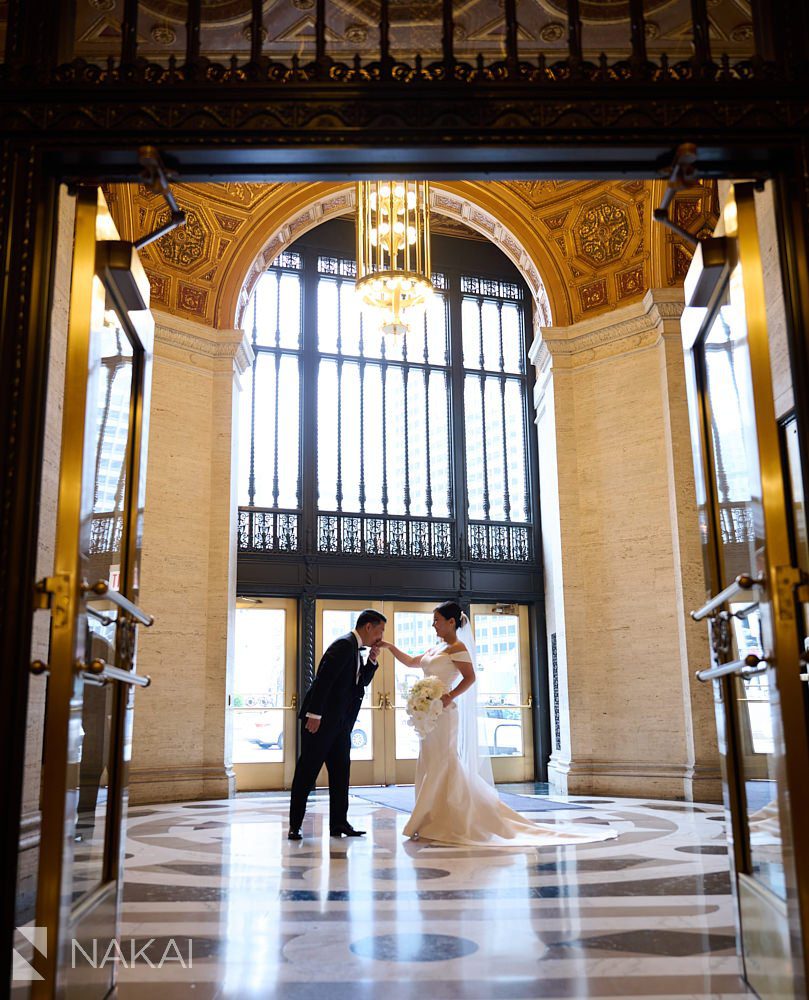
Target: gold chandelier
<point>393,252</point>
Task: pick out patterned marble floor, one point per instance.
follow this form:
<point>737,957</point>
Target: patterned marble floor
<point>646,915</point>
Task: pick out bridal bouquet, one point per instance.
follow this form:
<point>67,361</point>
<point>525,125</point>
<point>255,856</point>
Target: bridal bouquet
<point>424,705</point>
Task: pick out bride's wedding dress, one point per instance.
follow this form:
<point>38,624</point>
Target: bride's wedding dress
<point>455,805</point>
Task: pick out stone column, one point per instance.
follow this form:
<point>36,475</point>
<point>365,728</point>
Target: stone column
<point>188,570</point>
<point>622,559</point>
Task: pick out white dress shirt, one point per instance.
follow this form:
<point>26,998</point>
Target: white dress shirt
<point>360,646</point>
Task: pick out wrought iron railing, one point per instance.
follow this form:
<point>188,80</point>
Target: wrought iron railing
<point>106,530</point>
<point>261,529</point>
<point>736,522</point>
<point>377,535</point>
<point>565,41</point>
<point>499,542</point>
<point>264,531</point>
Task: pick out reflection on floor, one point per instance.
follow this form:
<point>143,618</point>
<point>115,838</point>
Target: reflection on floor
<point>646,915</point>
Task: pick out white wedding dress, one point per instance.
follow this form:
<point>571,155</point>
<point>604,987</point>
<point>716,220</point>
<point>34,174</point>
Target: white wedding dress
<point>457,806</point>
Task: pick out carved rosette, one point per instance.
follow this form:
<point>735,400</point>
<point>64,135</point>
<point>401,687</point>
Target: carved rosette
<point>602,232</point>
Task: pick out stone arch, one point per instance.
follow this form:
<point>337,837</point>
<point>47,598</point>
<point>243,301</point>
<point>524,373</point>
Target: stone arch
<point>301,207</point>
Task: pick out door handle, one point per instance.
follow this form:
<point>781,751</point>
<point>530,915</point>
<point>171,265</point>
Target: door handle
<point>743,582</point>
<point>100,670</point>
<point>382,703</point>
<point>748,667</point>
<point>101,588</point>
<point>293,703</point>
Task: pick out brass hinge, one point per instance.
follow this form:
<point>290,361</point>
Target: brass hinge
<point>788,580</point>
<point>53,592</point>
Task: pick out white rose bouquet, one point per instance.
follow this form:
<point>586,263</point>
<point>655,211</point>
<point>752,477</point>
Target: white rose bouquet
<point>424,705</point>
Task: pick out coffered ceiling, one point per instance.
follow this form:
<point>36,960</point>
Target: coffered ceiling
<point>593,245</point>
<point>352,26</point>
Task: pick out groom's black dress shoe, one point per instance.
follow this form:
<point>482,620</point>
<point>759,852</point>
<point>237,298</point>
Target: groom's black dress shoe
<point>294,835</point>
<point>346,830</point>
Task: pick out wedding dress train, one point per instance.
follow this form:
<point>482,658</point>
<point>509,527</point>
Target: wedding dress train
<point>455,805</point>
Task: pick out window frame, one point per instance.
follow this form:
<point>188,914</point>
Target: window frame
<point>268,525</point>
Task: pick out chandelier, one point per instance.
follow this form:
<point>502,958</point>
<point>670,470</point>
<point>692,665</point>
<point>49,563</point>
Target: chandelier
<point>393,252</point>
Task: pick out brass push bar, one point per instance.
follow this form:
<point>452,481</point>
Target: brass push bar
<point>743,582</point>
<point>748,667</point>
<point>100,670</point>
<point>101,588</point>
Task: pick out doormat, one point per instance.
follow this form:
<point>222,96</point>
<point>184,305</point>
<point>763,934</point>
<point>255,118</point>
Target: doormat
<point>403,798</point>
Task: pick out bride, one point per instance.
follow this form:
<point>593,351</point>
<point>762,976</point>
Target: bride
<point>456,801</point>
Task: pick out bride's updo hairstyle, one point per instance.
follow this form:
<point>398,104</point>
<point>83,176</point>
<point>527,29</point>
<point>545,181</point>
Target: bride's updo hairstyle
<point>451,611</point>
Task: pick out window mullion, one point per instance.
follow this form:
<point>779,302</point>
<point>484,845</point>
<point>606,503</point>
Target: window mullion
<point>339,403</point>
<point>277,386</point>
<point>486,504</point>
<point>428,488</point>
<point>405,377</point>
<point>506,495</point>
<point>457,477</point>
<point>362,421</point>
<point>251,483</point>
<point>309,404</point>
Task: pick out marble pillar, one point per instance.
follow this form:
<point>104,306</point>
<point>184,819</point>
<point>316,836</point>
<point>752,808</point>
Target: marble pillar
<point>622,558</point>
<point>188,571</point>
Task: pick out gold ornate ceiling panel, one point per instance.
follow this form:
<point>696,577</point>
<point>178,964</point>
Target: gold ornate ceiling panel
<point>352,26</point>
<point>593,245</point>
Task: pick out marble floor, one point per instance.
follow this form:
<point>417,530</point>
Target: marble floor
<point>646,915</point>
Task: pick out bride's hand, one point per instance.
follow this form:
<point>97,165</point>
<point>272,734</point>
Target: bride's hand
<point>384,644</point>
<point>446,700</point>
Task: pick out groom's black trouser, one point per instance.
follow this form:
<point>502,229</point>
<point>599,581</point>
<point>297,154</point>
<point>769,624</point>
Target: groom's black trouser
<point>331,747</point>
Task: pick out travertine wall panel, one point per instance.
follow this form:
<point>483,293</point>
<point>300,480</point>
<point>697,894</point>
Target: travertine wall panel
<point>626,557</point>
<point>188,570</point>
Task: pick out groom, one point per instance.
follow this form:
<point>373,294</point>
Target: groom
<point>329,712</point>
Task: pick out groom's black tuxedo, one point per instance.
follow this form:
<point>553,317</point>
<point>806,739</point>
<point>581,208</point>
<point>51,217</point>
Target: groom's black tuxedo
<point>335,695</point>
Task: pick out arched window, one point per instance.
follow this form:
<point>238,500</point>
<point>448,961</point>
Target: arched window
<point>356,444</point>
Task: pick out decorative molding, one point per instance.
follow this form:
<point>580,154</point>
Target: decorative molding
<point>630,328</point>
<point>199,346</point>
<point>603,768</point>
<point>457,207</point>
<point>167,784</point>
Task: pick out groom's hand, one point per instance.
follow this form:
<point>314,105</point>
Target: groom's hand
<point>373,655</point>
<point>312,724</point>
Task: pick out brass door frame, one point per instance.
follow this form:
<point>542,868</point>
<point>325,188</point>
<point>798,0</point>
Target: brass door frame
<point>779,623</point>
<point>276,775</point>
<point>66,594</point>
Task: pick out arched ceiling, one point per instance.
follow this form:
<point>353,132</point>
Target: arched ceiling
<point>594,245</point>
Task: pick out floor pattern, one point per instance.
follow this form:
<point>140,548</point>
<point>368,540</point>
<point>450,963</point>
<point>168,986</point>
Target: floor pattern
<point>647,915</point>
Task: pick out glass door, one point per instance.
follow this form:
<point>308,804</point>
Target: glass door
<point>505,703</point>
<point>504,685</point>
<point>384,748</point>
<point>264,702</point>
<point>410,627</point>
<point>336,618</point>
<point>91,596</point>
<point>753,578</point>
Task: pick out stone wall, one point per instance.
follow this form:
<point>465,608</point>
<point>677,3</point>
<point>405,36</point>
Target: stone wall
<point>188,572</point>
<point>622,559</point>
